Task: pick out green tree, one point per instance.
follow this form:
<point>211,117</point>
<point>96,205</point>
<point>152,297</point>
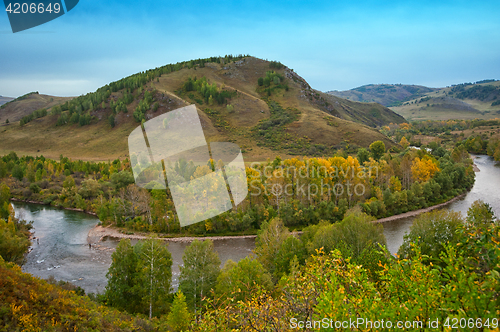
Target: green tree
<point>201,267</point>
<point>122,278</point>
<point>363,155</point>
<point>241,280</point>
<point>480,214</point>
<point>431,232</point>
<point>268,243</point>
<point>154,274</point>
<point>18,172</point>
<point>4,201</point>
<point>260,81</point>
<point>377,149</point>
<point>111,120</point>
<point>179,317</point>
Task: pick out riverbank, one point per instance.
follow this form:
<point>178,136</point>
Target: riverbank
<point>420,211</point>
<point>57,207</point>
<point>98,233</point>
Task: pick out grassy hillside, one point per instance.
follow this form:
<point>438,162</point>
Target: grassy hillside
<point>283,115</point>
<point>15,109</point>
<point>385,94</point>
<point>463,101</point>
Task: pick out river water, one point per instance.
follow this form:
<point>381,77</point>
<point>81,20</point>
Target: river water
<point>63,252</point>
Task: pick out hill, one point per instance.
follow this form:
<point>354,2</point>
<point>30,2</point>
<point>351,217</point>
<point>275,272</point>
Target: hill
<point>463,101</point>
<point>264,107</point>
<point>15,109</point>
<point>384,94</point>
<point>4,100</point>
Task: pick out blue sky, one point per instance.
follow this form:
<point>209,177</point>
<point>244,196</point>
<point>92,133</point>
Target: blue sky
<point>334,45</point>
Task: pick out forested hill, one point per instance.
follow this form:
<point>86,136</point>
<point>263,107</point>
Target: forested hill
<point>265,107</point>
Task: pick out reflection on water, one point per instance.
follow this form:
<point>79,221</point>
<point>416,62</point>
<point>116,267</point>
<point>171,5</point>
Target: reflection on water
<point>486,188</point>
<point>64,253</point>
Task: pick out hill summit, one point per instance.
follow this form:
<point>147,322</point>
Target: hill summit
<point>263,106</point>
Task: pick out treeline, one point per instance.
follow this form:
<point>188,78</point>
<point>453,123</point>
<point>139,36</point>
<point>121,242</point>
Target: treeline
<point>301,192</point>
<point>478,143</point>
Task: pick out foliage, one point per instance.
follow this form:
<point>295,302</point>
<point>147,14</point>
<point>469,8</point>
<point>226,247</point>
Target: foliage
<point>377,149</point>
<point>139,277</point>
<point>31,304</point>
<point>431,232</point>
<point>179,317</point>
<point>199,272</point>
<point>240,280</point>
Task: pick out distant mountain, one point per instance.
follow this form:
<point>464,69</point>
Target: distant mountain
<point>384,94</point>
<point>462,101</point>
<point>4,100</point>
<point>414,102</point>
<point>264,107</point>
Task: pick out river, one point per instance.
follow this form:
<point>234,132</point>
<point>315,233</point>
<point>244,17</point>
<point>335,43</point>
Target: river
<point>63,251</point>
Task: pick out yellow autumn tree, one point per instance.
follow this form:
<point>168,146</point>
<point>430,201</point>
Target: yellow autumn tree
<point>404,142</point>
<point>424,169</point>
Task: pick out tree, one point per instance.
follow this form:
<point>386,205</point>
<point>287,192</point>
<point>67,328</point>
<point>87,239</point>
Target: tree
<point>111,120</point>
<point>179,317</point>
<point>424,169</point>
<point>480,214</point>
<point>241,280</point>
<point>13,243</point>
<point>269,239</point>
<point>363,155</point>
<point>201,267</point>
<point>404,142</point>
<point>260,81</point>
<point>122,278</point>
<point>154,274</point>
<point>431,231</point>
<point>18,172</point>
<point>4,201</point>
<point>377,149</point>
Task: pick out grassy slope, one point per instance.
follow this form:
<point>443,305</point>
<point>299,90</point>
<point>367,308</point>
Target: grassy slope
<point>100,142</point>
<point>447,107</point>
<point>16,110</point>
<point>384,94</point>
